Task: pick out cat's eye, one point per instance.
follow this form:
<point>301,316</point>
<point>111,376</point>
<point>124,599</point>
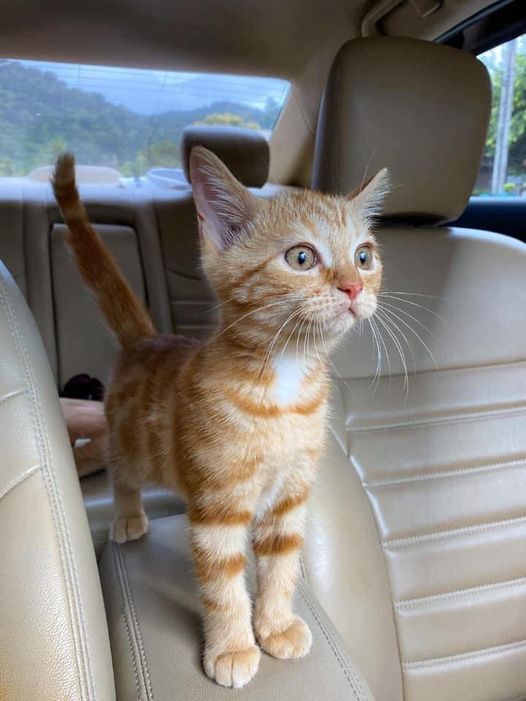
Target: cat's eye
<point>363,258</point>
<point>301,257</point>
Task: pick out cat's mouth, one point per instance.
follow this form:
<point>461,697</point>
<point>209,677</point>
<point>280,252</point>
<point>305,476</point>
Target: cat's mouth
<point>346,310</point>
<point>354,312</point>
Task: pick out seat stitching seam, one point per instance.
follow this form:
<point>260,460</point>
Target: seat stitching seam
<point>18,480</point>
<point>75,604</point>
<point>455,532</point>
<point>126,622</point>
<point>465,656</point>
<point>303,569</point>
<point>418,602</point>
<point>336,652</point>
<point>445,371</point>
<point>347,670</point>
<point>65,556</point>
<point>442,418</point>
<point>12,395</point>
<point>445,474</point>
<point>17,337</point>
<point>61,523</point>
<point>137,630</point>
<point>349,674</point>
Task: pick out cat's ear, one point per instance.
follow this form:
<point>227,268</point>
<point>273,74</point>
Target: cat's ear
<point>370,196</point>
<point>224,207</point>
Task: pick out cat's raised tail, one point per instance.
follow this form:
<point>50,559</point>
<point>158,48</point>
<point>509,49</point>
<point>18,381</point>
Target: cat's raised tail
<point>123,311</point>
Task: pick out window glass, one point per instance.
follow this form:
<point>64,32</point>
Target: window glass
<point>128,119</point>
<point>503,168</point>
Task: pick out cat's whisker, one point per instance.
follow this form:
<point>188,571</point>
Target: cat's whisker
<point>339,375</point>
<point>384,346</point>
<point>402,321</point>
<point>320,332</point>
<point>316,330</point>
<point>415,304</point>
<point>386,307</point>
<point>220,305</point>
<point>268,353</point>
<point>259,309</point>
<point>298,337</point>
<point>412,294</point>
<point>400,352</point>
<point>383,314</point>
<point>376,377</point>
<point>291,334</point>
<point>368,165</point>
<point>306,343</point>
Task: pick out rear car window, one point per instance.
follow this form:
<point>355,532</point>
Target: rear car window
<point>503,169</point>
<point>130,120</point>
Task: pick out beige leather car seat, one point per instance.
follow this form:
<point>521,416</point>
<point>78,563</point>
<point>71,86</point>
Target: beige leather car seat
<point>54,638</point>
<point>417,540</point>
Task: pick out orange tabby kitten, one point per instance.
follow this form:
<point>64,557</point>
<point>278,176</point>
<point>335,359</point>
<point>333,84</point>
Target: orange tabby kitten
<point>236,423</point>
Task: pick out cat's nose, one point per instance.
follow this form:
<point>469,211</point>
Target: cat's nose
<point>351,289</point>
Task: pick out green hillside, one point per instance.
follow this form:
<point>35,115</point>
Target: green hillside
<point>40,116</point>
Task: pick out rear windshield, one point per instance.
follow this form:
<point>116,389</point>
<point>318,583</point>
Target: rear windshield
<point>128,119</point>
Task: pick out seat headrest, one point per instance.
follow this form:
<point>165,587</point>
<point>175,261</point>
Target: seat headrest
<point>419,108</point>
<point>244,151</point>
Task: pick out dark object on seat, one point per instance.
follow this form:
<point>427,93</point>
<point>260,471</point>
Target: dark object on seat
<point>83,387</point>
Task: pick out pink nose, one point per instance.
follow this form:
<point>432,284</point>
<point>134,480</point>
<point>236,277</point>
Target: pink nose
<point>352,289</point>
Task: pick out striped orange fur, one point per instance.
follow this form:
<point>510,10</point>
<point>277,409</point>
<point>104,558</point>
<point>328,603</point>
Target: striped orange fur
<point>278,544</point>
<point>236,423</point>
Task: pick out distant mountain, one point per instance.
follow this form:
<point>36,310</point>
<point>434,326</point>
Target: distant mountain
<point>154,91</point>
<point>40,115</point>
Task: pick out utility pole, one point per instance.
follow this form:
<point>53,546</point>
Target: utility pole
<point>500,161</point>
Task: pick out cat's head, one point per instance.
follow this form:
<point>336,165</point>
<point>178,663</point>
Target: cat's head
<point>300,261</point>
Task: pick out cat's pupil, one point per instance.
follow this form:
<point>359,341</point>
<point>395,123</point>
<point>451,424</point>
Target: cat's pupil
<point>302,257</point>
<point>363,257</point>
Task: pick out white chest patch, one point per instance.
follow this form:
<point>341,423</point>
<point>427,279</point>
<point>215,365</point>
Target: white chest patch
<point>290,374</point>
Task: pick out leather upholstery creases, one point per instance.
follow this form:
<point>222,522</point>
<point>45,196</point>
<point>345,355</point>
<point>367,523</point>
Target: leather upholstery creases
<point>51,608</point>
<point>154,618</point>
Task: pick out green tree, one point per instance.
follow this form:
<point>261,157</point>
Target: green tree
<point>40,115</point>
<point>162,154</point>
<point>6,167</point>
<point>228,119</point>
<point>517,143</point>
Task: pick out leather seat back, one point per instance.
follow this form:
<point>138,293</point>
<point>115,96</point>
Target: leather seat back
<point>54,641</point>
<point>33,248</point>
<point>421,513</point>
<point>126,222</point>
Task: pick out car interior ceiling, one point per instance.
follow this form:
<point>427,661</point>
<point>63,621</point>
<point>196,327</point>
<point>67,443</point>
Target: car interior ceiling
<point>412,575</point>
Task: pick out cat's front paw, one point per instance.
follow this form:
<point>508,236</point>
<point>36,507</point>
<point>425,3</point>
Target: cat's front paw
<point>127,528</point>
<point>234,669</point>
<point>291,643</point>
